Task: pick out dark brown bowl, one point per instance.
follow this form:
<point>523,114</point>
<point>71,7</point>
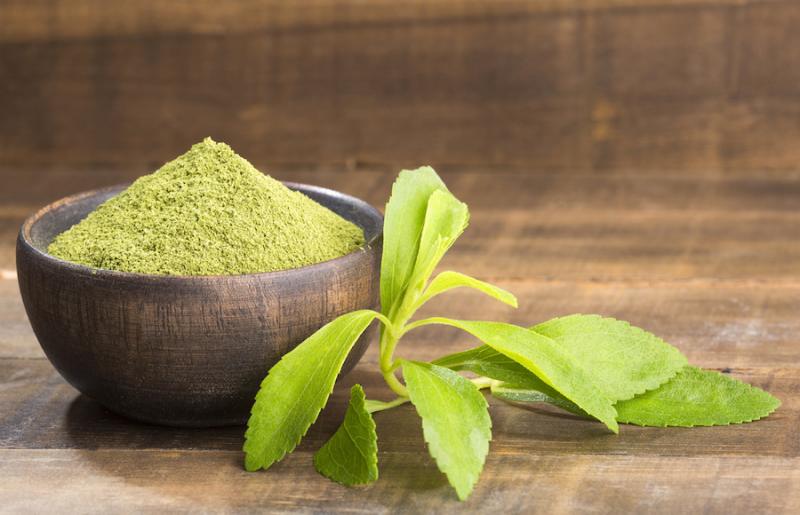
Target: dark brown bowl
<point>185,350</point>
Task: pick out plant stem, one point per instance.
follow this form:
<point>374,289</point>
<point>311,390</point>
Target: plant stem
<point>482,382</point>
<point>419,323</point>
<point>395,384</point>
<point>394,326</point>
<point>377,406</point>
<point>388,344</point>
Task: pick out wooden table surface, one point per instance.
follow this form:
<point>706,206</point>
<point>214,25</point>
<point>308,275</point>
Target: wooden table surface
<point>710,262</point>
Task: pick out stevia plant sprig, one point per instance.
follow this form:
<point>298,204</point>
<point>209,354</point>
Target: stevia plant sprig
<point>589,365</point>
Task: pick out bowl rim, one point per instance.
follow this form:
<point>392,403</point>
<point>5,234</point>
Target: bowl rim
<point>25,240</point>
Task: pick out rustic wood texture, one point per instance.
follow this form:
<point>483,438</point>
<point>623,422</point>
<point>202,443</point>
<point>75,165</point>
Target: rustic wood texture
<point>710,262</point>
<point>565,227</point>
<point>653,87</point>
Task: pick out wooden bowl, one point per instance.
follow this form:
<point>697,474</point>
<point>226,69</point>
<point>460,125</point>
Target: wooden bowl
<point>185,350</point>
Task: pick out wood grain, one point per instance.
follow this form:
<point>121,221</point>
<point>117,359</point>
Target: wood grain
<point>117,481</point>
<point>635,158</point>
<point>42,411</point>
<point>708,262</point>
<point>29,20</point>
<point>687,86</point>
<point>715,325</point>
<point>540,461</point>
<point>574,227</point>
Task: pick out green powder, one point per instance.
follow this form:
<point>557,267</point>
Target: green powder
<point>208,212</point>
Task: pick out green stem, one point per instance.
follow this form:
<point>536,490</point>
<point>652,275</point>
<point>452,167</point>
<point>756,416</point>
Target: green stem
<point>376,406</point>
<point>393,330</point>
<point>388,344</point>
<point>395,384</point>
<point>482,382</point>
<point>387,324</point>
<point>420,323</point>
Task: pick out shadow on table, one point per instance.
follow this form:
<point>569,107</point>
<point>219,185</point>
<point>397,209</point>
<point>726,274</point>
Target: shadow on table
<point>405,464</point>
<point>89,425</point>
<point>98,433</point>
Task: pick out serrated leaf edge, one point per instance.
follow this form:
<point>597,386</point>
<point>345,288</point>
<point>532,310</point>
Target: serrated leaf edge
<point>649,385</point>
<point>706,424</point>
<point>294,445</point>
<point>372,459</point>
<point>434,454</point>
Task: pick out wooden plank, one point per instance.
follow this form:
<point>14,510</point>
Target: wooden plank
<point>332,94</point>
<point>540,459</point>
<point>572,228</point>
<point>26,189</point>
<point>120,481</point>
<point>613,246</point>
<point>93,18</point>
<point>648,97</point>
<point>764,117</point>
<point>728,297</point>
<point>715,325</point>
<point>16,337</point>
<point>686,85</point>
<point>39,410</point>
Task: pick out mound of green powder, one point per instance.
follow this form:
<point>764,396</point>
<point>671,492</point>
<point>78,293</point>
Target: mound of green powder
<point>208,212</point>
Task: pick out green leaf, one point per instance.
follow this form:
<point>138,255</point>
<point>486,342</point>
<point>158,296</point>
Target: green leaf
<point>486,361</point>
<point>402,228</point>
<point>621,360</point>
<point>694,397</point>
<point>512,393</point>
<point>455,422</point>
<point>515,382</point>
<point>350,456</point>
<point>445,220</point>
<point>547,360</point>
<point>297,388</point>
<point>448,280</point>
<point>697,397</point>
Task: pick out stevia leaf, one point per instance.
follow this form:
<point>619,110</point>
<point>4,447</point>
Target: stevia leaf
<point>297,388</point>
<point>402,228</point>
<point>445,220</point>
<point>694,397</point>
<point>513,393</point>
<point>621,360</point>
<point>455,422</point>
<point>514,382</point>
<point>547,361</point>
<point>449,280</point>
<point>697,397</point>
<point>350,456</point>
<point>486,361</point>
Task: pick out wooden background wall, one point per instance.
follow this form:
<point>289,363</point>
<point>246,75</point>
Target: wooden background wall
<point>645,86</point>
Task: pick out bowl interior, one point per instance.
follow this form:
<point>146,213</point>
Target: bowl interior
<point>44,226</point>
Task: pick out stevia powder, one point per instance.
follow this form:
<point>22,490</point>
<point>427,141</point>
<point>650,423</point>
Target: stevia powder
<point>207,212</point>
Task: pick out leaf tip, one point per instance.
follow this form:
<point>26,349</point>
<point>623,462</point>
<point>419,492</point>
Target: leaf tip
<point>251,463</point>
<point>464,493</point>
